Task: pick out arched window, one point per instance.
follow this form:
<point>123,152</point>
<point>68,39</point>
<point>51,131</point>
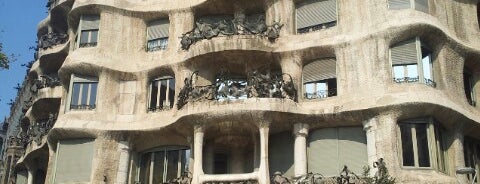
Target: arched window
<point>320,79</point>
<point>157,35</point>
<point>313,15</point>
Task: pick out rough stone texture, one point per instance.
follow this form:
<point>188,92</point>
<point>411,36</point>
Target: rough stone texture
<point>366,94</point>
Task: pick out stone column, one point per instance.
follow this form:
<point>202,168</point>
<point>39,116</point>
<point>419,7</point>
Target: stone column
<point>459,157</point>
<point>369,128</point>
<point>263,173</point>
<point>122,172</point>
<point>197,153</point>
<point>282,11</point>
<point>300,131</point>
<point>292,65</point>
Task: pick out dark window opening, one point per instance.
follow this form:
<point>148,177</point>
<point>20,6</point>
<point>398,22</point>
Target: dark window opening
<point>468,87</point>
<point>162,94</point>
<point>220,163</point>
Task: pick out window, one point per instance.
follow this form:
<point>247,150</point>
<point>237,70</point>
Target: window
<point>420,5</point>
<point>471,150</point>
<point>164,164</point>
<point>468,86</point>
<point>412,62</point>
<point>83,93</point>
<point>88,30</point>
<point>320,79</point>
<point>280,153</point>
<point>73,162</point>
<point>313,15</point>
<point>422,145</point>
<point>162,94</point>
<point>330,149</point>
<point>157,35</point>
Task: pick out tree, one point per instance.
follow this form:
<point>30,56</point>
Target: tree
<point>4,59</point>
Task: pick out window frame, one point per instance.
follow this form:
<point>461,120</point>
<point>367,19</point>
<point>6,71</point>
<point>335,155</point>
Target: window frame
<point>149,96</point>
<point>328,24</point>
<point>74,78</point>
<point>164,149</point>
<point>166,38</point>
<point>79,33</point>
<point>419,64</point>
<point>412,6</point>
<point>471,85</point>
<point>435,141</point>
<point>468,144</point>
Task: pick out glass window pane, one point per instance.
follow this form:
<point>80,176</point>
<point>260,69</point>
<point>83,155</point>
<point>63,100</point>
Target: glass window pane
<point>412,71</point>
<point>172,167</point>
<point>93,94</point>
<point>153,95</point>
<point>427,70</point>
<point>85,87</point>
<point>75,95</point>
<point>407,145</point>
<point>185,160</point>
<point>158,166</point>
<point>94,36</point>
<point>399,72</point>
<point>322,90</point>
<point>145,162</point>
<point>422,145</point>
<point>163,93</point>
<point>171,92</point>
<point>84,37</point>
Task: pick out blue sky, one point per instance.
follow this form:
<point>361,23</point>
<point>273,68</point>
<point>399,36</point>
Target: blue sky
<point>18,27</point>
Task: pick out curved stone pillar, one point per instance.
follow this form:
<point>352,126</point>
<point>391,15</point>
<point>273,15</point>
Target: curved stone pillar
<point>199,133</point>
<point>300,131</point>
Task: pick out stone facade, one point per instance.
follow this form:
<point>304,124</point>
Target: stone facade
<point>206,93</point>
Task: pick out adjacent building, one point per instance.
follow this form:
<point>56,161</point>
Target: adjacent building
<point>222,91</point>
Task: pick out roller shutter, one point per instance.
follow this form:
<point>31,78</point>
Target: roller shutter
<point>319,70</point>
<point>90,22</point>
<point>404,53</point>
<point>421,5</point>
<point>280,153</point>
<point>74,161</point>
<point>158,29</point>
<point>330,149</point>
<point>315,12</point>
<point>399,4</point>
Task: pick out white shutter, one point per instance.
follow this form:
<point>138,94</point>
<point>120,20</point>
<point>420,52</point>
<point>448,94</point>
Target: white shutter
<point>404,53</point>
<point>158,29</point>
<point>322,152</point>
<point>90,22</point>
<point>352,149</point>
<point>319,70</point>
<point>22,177</point>
<point>74,161</point>
<point>280,153</point>
<point>399,4</point>
<point>315,12</point>
<point>421,5</point>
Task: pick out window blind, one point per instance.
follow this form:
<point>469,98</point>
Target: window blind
<point>399,4</point>
<point>315,12</point>
<point>74,161</point>
<point>319,70</point>
<point>90,22</point>
<point>158,29</point>
<point>421,5</point>
<point>280,153</point>
<point>404,53</point>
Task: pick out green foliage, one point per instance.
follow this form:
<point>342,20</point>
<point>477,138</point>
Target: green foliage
<point>4,60</point>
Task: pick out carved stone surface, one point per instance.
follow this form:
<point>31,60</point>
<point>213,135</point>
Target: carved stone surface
<point>51,39</point>
<point>241,25</point>
<point>264,84</point>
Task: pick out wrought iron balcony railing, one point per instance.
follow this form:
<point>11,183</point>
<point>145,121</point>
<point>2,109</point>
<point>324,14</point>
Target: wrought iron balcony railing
<point>51,39</point>
<point>82,107</point>
<point>428,82</point>
<point>44,81</point>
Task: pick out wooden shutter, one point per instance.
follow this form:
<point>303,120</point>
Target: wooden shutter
<point>280,153</point>
<point>320,70</point>
<point>22,177</point>
<point>404,53</point>
<point>421,5</point>
<point>90,22</point>
<point>352,148</point>
<point>315,12</point>
<point>399,4</point>
<point>158,29</point>
<point>74,161</point>
<point>322,152</point>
